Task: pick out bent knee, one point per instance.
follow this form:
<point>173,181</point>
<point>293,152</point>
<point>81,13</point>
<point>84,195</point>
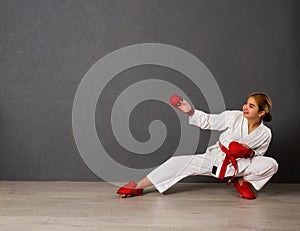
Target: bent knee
<point>272,164</point>
<point>265,164</point>
<point>275,165</point>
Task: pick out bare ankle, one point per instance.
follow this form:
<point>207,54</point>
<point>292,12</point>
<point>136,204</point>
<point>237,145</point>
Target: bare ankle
<point>139,186</point>
<point>241,181</point>
<point>144,183</point>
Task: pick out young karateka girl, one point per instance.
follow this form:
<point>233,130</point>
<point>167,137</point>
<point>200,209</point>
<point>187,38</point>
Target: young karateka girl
<point>243,133</point>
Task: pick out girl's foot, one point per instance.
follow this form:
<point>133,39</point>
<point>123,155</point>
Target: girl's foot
<point>244,189</point>
<point>129,190</point>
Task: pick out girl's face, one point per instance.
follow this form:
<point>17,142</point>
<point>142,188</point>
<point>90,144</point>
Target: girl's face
<point>251,109</point>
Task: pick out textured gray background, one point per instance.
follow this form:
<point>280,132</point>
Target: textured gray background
<point>46,47</point>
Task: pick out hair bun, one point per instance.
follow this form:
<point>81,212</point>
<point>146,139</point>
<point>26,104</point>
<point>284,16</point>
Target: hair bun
<point>268,117</point>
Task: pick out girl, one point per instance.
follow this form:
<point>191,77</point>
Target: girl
<point>243,132</point>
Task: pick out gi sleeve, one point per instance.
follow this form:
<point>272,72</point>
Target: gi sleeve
<point>210,121</point>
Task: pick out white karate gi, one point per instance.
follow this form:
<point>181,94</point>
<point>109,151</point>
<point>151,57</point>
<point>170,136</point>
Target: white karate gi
<point>257,170</point>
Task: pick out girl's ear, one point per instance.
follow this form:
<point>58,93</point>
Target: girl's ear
<point>261,113</point>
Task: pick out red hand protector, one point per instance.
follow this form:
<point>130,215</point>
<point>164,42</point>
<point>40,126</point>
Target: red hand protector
<point>176,100</point>
<point>235,150</point>
<point>239,151</point>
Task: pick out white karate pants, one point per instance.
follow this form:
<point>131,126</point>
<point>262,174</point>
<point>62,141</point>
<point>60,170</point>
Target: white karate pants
<point>259,170</point>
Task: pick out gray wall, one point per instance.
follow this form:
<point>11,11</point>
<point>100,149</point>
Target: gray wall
<point>47,47</point>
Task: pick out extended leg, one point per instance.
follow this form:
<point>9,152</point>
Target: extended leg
<point>177,168</point>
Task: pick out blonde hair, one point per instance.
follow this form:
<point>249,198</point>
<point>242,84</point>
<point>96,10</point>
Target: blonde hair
<point>264,104</point>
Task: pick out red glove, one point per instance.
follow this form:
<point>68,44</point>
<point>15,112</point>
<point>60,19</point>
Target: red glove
<point>239,150</point>
<point>235,150</point>
<point>181,104</point>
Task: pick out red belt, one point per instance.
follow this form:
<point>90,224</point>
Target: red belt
<point>229,157</point>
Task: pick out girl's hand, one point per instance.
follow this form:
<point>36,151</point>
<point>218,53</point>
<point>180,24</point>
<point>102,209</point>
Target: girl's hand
<point>182,105</point>
<point>246,146</point>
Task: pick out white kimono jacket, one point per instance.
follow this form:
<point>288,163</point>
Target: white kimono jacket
<point>235,128</point>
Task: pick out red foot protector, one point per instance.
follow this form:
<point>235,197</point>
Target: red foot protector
<point>129,189</point>
<point>245,190</point>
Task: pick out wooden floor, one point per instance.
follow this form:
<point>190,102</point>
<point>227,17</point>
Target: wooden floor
<point>186,206</point>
